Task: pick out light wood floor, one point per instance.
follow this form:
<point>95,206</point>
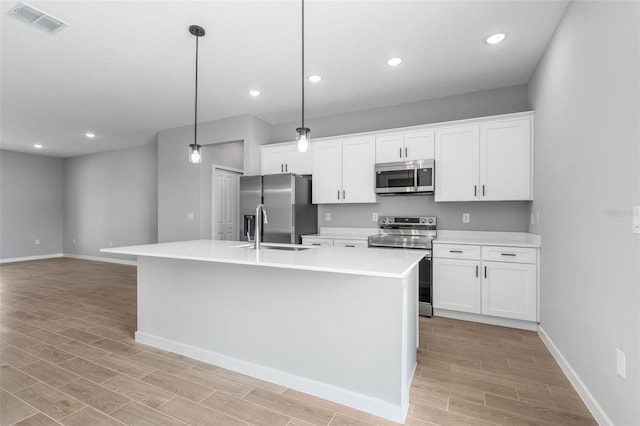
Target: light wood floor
<point>67,356</point>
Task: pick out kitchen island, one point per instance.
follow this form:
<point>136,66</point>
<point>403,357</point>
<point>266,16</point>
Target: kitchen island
<point>337,323</point>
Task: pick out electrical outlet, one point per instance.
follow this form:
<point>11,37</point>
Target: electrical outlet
<point>327,217</point>
<point>37,242</point>
<point>374,217</point>
<point>466,218</point>
<point>636,219</point>
<point>621,364</point>
<point>190,216</point>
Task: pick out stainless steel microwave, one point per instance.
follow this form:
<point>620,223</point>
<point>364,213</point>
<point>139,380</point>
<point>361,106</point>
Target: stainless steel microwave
<point>406,177</point>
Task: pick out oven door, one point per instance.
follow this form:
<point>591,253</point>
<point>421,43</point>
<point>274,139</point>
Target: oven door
<point>394,178</point>
<point>425,288</point>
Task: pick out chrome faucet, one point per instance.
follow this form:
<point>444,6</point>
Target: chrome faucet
<point>258,231</point>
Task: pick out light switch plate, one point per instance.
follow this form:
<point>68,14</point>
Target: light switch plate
<point>621,364</point>
<point>374,217</point>
<point>327,217</point>
<point>466,218</point>
<point>636,219</point>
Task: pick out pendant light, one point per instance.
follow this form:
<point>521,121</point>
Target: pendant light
<point>303,137</point>
<point>195,150</point>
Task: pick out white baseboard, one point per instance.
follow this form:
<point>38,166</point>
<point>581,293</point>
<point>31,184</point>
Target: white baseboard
<point>27,258</point>
<point>485,319</point>
<point>101,259</point>
<point>596,410</point>
<point>387,410</point>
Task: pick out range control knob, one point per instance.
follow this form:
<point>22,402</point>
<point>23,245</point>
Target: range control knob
<point>430,221</point>
<point>423,220</point>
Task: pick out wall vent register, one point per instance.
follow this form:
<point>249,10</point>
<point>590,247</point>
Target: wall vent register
<point>38,18</point>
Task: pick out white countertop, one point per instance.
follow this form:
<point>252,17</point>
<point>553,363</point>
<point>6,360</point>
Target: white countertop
<point>389,263</point>
<point>489,238</point>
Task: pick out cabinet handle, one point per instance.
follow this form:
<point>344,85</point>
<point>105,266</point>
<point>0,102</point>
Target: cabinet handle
<point>476,271</point>
<point>400,152</point>
<point>338,194</point>
<point>281,168</point>
<point>344,195</point>
<point>507,254</point>
<point>349,245</point>
<point>455,251</point>
<point>316,244</point>
<point>483,190</point>
<point>286,167</point>
<point>475,190</point>
<point>406,152</point>
<point>485,272</point>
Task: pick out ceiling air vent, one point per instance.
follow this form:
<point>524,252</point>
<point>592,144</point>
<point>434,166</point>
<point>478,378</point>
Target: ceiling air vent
<point>38,18</point>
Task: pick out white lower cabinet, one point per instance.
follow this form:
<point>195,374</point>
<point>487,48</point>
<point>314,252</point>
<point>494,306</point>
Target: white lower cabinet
<point>334,242</point>
<point>312,241</point>
<point>468,278</point>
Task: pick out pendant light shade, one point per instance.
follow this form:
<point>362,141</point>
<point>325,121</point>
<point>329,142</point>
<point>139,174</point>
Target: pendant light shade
<point>195,150</point>
<point>303,136</point>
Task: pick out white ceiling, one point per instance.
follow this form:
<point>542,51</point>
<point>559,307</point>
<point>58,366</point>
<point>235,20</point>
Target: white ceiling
<point>125,69</point>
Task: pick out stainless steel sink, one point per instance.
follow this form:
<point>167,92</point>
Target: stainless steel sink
<point>267,246</point>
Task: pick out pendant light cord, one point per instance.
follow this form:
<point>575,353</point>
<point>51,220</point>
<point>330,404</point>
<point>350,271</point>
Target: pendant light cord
<point>195,120</point>
<point>302,65</point>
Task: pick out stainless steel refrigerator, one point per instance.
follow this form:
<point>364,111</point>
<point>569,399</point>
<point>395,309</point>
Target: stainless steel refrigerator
<point>287,201</point>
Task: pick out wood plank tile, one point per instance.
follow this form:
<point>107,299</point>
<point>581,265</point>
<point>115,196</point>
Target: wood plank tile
<point>50,401</point>
<point>49,353</point>
<point>197,414</point>
<point>479,384</point>
<point>14,356</point>
<point>538,412</point>
<point>88,369</point>
<point>37,419</point>
<point>215,381</point>
<point>13,409</point>
<point>80,335</point>
<point>139,391</point>
<point>245,411</point>
<point>160,363</point>
<point>446,418</point>
<point>289,406</point>
<point>139,415</point>
<point>177,385</point>
<point>48,337</point>
<point>125,366</point>
<point>448,390</point>
<point>89,416</point>
<point>251,380</point>
<point>340,419</point>
<point>94,395</point>
<point>329,405</point>
<point>49,373</point>
<point>12,379</point>
<point>491,415</point>
<point>82,350</point>
<point>116,347</point>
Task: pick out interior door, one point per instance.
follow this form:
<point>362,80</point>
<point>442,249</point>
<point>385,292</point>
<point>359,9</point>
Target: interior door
<point>226,187</point>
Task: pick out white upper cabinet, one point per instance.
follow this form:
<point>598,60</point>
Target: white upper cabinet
<point>408,146</point>
<point>505,160</point>
<point>457,163</point>
<point>488,161</point>
<point>343,171</point>
<point>285,158</point>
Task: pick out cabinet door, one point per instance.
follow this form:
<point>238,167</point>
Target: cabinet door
<point>419,145</point>
<point>509,290</point>
<point>456,285</point>
<point>350,243</point>
<point>457,163</point>
<point>358,170</point>
<point>298,162</point>
<point>314,241</point>
<point>389,148</point>
<point>327,172</point>
<point>505,160</point>
<point>273,160</point>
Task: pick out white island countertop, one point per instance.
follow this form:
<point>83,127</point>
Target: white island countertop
<point>389,263</point>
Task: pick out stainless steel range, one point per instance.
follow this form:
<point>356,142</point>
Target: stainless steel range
<point>413,232</point>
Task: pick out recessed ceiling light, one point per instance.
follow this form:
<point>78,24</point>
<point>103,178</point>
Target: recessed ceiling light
<point>254,92</point>
<point>394,62</point>
<point>314,78</point>
<point>90,135</point>
<point>38,146</point>
<point>496,38</point>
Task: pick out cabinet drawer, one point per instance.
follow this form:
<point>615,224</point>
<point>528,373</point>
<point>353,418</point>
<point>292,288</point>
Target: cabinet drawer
<point>350,243</point>
<point>509,254</point>
<point>456,251</point>
<point>317,241</point>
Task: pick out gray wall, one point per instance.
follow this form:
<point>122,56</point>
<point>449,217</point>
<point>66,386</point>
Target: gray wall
<point>468,105</point>
<point>182,186</point>
<point>31,207</point>
<point>586,96</point>
<point>494,216</point>
<point>110,197</point>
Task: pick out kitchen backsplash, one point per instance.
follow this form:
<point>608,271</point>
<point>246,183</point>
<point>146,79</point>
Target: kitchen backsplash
<point>484,215</point>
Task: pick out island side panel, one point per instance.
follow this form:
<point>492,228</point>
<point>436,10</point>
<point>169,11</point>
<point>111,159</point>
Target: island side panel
<point>300,328</point>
